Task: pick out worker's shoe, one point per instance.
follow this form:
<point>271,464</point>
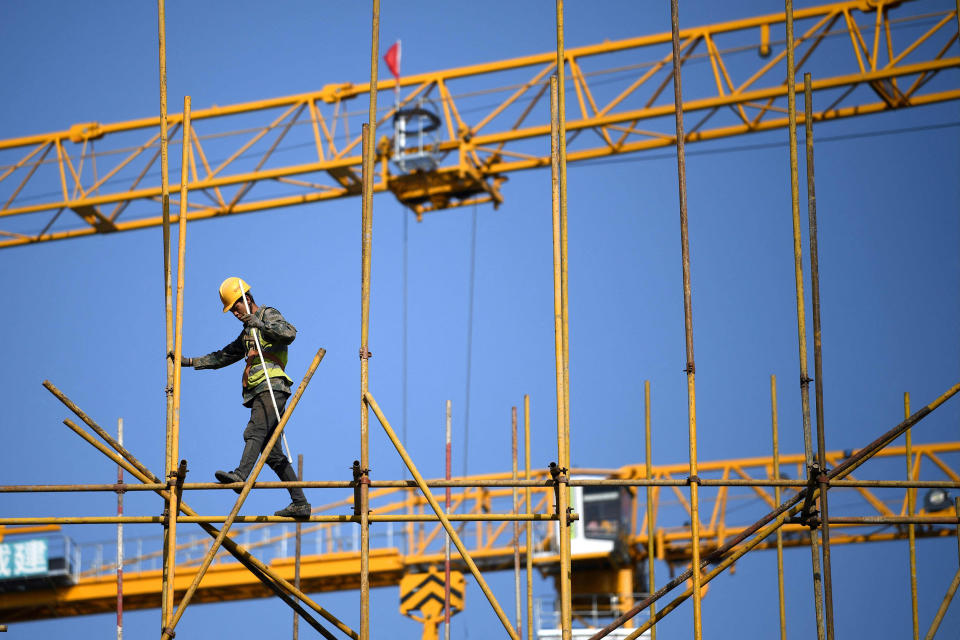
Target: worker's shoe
<point>294,510</point>
<point>227,477</point>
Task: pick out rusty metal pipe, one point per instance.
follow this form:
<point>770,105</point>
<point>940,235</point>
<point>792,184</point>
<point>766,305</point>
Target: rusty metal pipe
<point>516,523</point>
<point>776,499</point>
<point>801,313</point>
<point>455,517</point>
<point>366,246</point>
<point>529,526</point>
<point>911,530</point>
<point>173,439</point>
<point>446,507</point>
<point>562,180</point>
<point>942,610</point>
<point>297,549</point>
<point>168,295</point>
<point>368,135</point>
<point>862,455</point>
<point>818,353</point>
<point>687,324</point>
<point>651,577</point>
<point>560,363</point>
<point>120,492</point>
<point>894,520</point>
<point>503,484</point>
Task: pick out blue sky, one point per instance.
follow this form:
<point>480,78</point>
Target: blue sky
<point>88,314</point>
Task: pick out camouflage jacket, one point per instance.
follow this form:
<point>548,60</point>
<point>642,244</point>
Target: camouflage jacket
<point>274,337</point>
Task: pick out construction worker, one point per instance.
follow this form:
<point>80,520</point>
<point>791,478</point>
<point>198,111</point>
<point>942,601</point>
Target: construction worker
<point>264,393</point>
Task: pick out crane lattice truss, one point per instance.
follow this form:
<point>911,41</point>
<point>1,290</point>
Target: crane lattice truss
<point>865,57</point>
<point>331,564</point>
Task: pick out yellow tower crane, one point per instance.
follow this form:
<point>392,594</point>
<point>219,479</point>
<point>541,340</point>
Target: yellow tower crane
<point>452,138</point>
<point>464,130</point>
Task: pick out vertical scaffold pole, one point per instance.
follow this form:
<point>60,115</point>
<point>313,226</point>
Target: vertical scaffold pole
<point>801,313</point>
<point>364,418</point>
<point>651,578</point>
<point>120,538</point>
<point>168,294</point>
<point>911,531</point>
<point>561,477</point>
<point>818,354</point>
<point>446,508</point>
<point>296,554</point>
<point>516,523</point>
<point>529,524</point>
<point>951,590</point>
<point>562,155</point>
<point>687,325</point>
<point>173,507</point>
<point>369,134</point>
<point>776,500</point>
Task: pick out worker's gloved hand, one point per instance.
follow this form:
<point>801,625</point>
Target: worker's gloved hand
<point>184,361</point>
<point>251,321</point>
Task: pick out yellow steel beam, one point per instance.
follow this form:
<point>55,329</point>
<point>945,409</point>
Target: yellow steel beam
<point>738,94</point>
<point>222,582</point>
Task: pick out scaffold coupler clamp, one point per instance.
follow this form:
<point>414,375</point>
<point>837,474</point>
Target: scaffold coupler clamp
<point>559,475</point>
<point>177,477</point>
<point>364,353</point>
<point>170,633</point>
<point>694,480</point>
<point>360,477</point>
<point>809,516</point>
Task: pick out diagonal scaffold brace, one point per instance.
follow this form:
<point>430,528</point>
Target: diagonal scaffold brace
<point>725,555</point>
<point>241,554</point>
<point>135,468</point>
<point>441,515</point>
<point>262,572</point>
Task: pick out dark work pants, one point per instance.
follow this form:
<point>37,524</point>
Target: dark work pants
<point>263,421</point>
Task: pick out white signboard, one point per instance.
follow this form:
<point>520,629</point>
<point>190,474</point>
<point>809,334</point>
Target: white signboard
<point>23,558</point>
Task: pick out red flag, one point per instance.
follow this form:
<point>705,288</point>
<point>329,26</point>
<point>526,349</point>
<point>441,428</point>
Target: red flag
<point>392,58</point>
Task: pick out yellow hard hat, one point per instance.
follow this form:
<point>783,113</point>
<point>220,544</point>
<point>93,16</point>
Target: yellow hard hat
<point>230,292</point>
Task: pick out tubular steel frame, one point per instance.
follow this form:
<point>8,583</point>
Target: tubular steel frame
<point>723,546</point>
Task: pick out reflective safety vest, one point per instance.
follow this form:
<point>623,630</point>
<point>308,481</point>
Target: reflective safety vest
<point>275,356</point>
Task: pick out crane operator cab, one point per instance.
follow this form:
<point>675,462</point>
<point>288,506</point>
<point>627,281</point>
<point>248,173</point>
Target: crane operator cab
<point>605,580</point>
<point>604,519</point>
<point>416,134</point>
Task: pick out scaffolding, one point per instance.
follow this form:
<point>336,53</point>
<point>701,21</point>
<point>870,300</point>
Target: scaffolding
<point>808,507</point>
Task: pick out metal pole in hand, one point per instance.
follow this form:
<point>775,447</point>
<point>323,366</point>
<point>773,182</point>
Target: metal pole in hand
<point>263,363</point>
